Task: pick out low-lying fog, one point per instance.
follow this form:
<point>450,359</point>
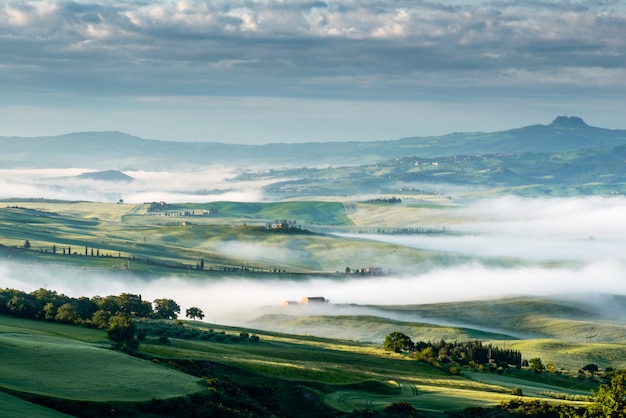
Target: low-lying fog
<point>589,233</point>
<point>591,229</point>
<point>581,243</point>
<point>146,186</point>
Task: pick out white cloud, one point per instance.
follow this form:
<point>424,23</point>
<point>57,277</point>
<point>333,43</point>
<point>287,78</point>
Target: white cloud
<point>558,54</point>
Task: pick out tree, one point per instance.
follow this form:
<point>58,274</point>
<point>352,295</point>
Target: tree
<point>100,319</point>
<point>130,304</point>
<point>194,313</point>
<point>397,341</point>
<point>593,368</point>
<point>27,245</point>
<point>166,309</point>
<point>109,304</point>
<point>67,313</point>
<point>121,328</point>
<point>609,400</point>
<point>536,365</point>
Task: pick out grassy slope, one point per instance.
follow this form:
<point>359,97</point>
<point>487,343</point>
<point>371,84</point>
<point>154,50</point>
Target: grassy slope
<point>126,230</point>
<point>14,407</point>
<point>348,366</point>
<point>53,360</point>
<point>48,359</point>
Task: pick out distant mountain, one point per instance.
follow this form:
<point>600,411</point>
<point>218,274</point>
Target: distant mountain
<point>116,150</point>
<point>108,175</point>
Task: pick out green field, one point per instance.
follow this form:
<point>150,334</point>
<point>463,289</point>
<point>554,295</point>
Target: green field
<point>54,360</point>
<point>51,361</point>
<point>234,236</point>
<point>332,360</point>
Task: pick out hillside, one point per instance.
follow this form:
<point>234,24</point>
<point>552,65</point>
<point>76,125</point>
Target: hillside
<point>115,150</point>
<point>578,172</point>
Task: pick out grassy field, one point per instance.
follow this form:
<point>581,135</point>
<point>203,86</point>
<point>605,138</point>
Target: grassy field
<point>14,407</point>
<point>360,376</point>
<point>235,235</point>
<point>60,361</point>
<point>48,359</point>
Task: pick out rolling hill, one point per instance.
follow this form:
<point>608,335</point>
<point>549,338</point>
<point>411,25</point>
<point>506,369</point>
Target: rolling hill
<point>116,150</point>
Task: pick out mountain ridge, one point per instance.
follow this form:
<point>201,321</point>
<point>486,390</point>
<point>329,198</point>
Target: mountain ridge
<point>106,150</point>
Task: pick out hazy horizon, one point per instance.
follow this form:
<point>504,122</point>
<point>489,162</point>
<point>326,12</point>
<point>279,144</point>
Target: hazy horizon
<point>266,72</point>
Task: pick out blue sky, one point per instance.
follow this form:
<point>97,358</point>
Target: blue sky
<point>251,71</point>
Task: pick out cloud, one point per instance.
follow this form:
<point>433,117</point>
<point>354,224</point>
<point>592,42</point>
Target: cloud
<point>433,66</point>
<point>277,49</point>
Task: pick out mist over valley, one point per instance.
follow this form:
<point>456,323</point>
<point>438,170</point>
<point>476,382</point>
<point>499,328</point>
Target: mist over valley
<point>507,248</point>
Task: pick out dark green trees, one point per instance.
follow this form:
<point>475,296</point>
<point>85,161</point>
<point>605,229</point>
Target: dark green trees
<point>194,313</point>
<point>536,365</point>
<point>166,309</point>
<point>121,328</point>
<point>610,399</point>
<point>398,342</point>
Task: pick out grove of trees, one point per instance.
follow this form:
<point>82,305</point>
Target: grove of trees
<point>111,313</point>
<point>458,352</point>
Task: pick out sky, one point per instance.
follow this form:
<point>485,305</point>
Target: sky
<point>260,71</point>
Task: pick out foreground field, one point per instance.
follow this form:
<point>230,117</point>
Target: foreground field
<point>39,361</point>
<point>51,361</point>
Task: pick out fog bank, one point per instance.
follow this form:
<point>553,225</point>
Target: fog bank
<point>233,300</point>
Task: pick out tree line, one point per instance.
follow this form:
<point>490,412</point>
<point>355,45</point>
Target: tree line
<point>462,353</point>
<point>111,313</point>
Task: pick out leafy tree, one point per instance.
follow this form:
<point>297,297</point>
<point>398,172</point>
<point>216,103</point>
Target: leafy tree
<point>109,304</point>
<point>609,400</point>
<point>130,304</point>
<point>536,365</point>
<point>67,313</point>
<point>85,307</point>
<point>194,313</point>
<point>397,341</point>
<point>23,306</point>
<point>100,319</point>
<point>49,310</point>
<point>27,245</point>
<point>166,309</point>
<point>591,368</point>
<point>121,328</point>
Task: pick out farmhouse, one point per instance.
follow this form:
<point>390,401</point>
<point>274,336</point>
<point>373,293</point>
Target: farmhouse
<point>289,303</point>
<point>313,300</point>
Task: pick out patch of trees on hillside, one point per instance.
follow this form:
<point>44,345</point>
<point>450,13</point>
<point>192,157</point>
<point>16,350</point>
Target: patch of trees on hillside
<point>454,354</point>
<point>111,313</point>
